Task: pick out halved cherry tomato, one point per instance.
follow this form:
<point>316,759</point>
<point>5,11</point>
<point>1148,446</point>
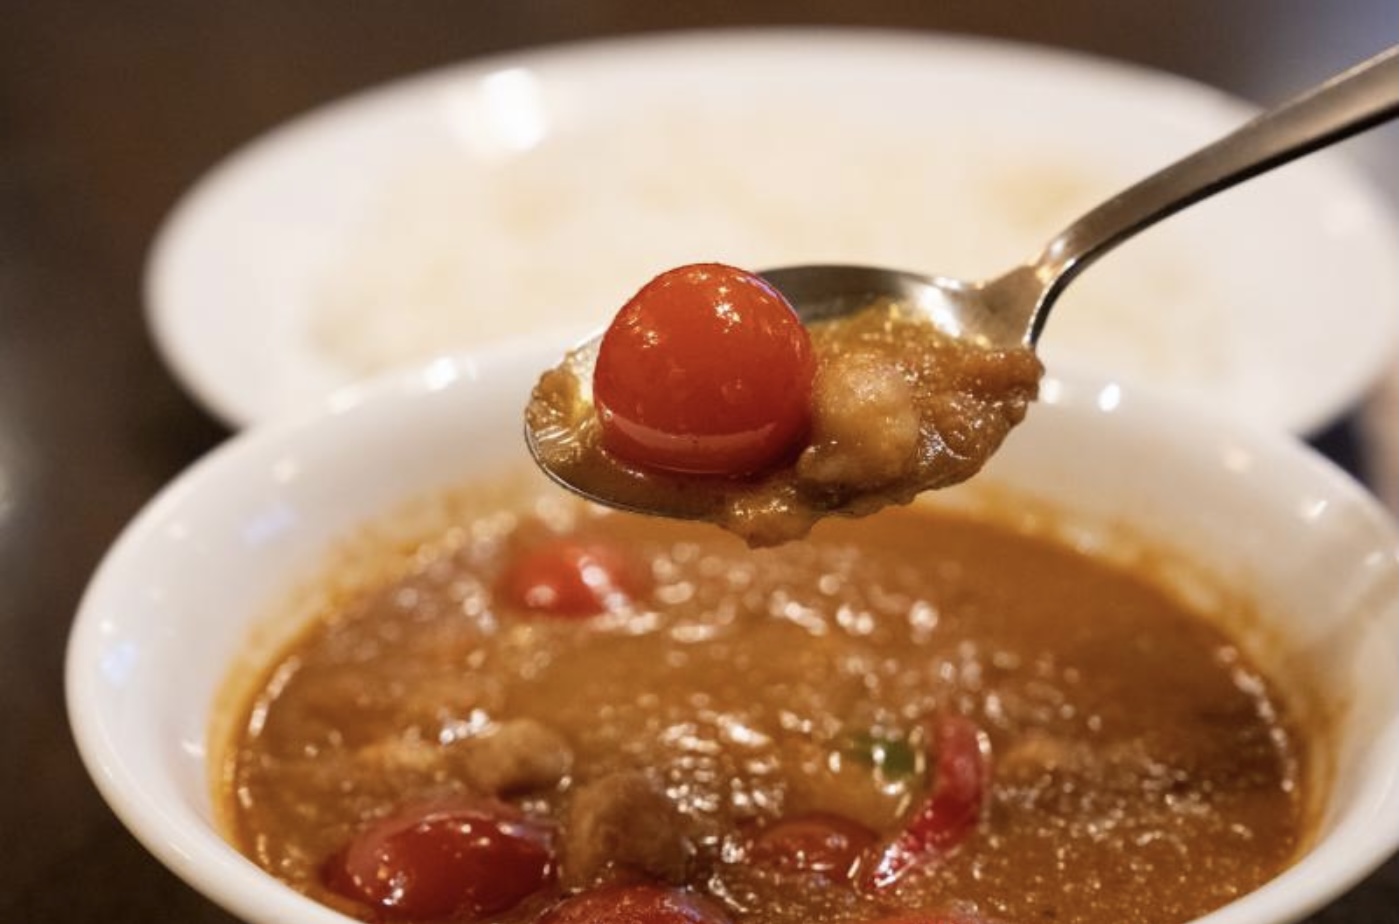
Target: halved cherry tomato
<point>951,810</point>
<point>707,370</point>
<point>636,904</point>
<point>820,843</point>
<point>461,860</point>
<point>568,576</point>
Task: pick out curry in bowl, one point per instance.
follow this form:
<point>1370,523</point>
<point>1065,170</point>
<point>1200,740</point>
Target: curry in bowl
<point>543,712</point>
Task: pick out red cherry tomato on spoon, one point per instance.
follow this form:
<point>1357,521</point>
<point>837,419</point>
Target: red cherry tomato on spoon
<point>707,370</point>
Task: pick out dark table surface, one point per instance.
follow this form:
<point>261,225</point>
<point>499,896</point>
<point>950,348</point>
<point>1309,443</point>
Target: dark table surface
<point>108,111</point>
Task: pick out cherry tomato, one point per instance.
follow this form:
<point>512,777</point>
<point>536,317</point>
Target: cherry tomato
<point>821,843</point>
<point>460,860</point>
<point>707,370</point>
<point>636,904</point>
<point>957,917</point>
<point>568,576</point>
<point>951,810</point>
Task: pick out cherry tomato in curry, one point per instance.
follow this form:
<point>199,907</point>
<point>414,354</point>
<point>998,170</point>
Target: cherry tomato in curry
<point>951,810</point>
<point>817,842</point>
<point>464,860</point>
<point>636,904</point>
<point>572,576</point>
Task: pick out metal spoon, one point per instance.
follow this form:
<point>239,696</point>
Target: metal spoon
<point>1011,309</point>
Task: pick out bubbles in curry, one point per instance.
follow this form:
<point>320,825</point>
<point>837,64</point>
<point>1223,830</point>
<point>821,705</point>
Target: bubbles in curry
<point>553,714</point>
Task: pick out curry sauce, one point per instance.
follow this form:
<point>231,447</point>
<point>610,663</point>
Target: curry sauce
<point>769,734</point>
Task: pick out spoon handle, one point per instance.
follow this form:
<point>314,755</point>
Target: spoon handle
<point>1348,103</point>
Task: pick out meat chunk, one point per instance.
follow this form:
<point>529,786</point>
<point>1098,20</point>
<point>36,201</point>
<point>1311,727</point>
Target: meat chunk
<point>865,423</point>
<point>402,754</point>
<point>516,755</point>
<point>624,821</point>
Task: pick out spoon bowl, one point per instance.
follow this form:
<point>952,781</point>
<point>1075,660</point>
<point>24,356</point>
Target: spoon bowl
<point>967,310</point>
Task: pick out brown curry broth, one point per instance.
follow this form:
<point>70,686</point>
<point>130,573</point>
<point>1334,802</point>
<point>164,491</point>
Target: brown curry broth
<point>1172,783</point>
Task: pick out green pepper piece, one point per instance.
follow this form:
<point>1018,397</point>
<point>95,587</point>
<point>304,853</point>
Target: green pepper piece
<point>893,758</point>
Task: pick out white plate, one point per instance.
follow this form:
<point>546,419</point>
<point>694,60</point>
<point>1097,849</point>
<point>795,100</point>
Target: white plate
<point>498,198</point>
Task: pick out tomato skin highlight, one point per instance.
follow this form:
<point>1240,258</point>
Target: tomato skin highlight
<point>817,843</point>
<point>635,904</point>
<point>461,860</point>
<point>571,577</point>
<point>706,370</point>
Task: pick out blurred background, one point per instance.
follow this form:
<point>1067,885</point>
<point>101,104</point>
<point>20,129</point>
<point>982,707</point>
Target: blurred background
<point>108,112</point>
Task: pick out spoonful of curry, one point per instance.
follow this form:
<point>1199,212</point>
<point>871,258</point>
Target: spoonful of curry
<point>766,401</point>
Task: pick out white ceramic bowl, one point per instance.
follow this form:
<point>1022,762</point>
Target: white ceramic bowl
<point>175,600</point>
